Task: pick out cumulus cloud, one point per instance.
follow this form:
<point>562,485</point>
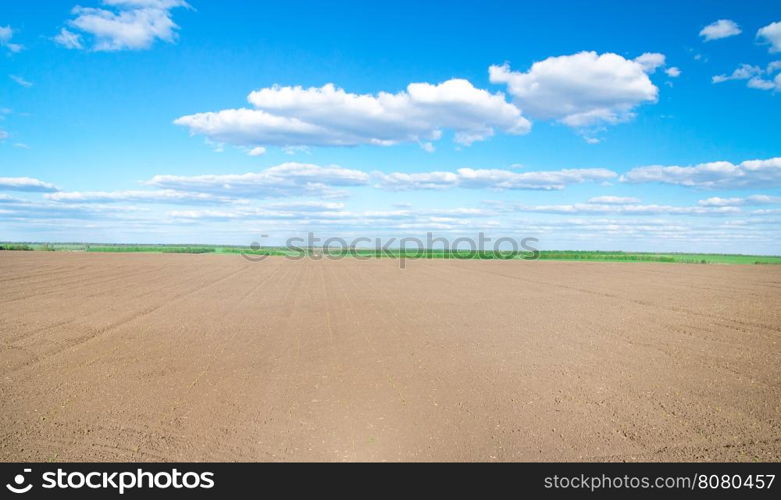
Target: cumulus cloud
<point>287,179</point>
<point>764,84</point>
<point>6,34</point>
<point>673,72</point>
<point>305,206</point>
<point>125,24</point>
<point>761,199</point>
<point>330,116</point>
<point>723,28</point>
<point>400,181</point>
<point>757,199</point>
<point>629,209</point>
<point>758,78</point>
<point>257,151</point>
<point>583,89</point>
<point>742,72</point>
<point>771,35</point>
<point>651,61</point>
<point>716,201</point>
<point>613,200</point>
<point>157,196</point>
<point>491,179</point>
<point>712,175</point>
<point>301,179</point>
<point>26,184</point>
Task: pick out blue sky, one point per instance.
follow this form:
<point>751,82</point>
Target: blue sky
<point>600,125</point>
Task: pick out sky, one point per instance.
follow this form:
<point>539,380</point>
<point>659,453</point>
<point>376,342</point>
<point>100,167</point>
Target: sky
<point>602,125</point>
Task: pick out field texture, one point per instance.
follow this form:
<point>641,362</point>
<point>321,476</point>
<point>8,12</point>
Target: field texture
<point>131,356</point>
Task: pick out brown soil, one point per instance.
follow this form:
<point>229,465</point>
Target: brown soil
<point>132,357</point>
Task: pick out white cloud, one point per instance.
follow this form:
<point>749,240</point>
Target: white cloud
<point>158,196</point>
<point>673,72</point>
<point>613,200</point>
<point>36,210</point>
<point>146,4</point>
<point>628,209</point>
<point>757,199</point>
<point>427,147</point>
<point>287,179</point>
<point>305,206</point>
<point>715,201</point>
<point>132,24</point>
<point>491,179</point>
<point>334,215</point>
<point>293,150</point>
<point>26,184</point>
<point>222,215</point>
<point>21,81</point>
<point>762,84</point>
<point>399,181</point>
<point>6,34</point>
<point>760,199</point>
<point>767,211</point>
<point>583,89</point>
<point>718,174</point>
<point>546,180</point>
<point>69,39</point>
<point>755,75</point>
<point>723,28</point>
<point>257,151</point>
<point>771,34</point>
<point>329,116</point>
<point>742,72</point>
<point>4,198</point>
<point>650,61</point>
<point>3,135</point>
<point>299,179</point>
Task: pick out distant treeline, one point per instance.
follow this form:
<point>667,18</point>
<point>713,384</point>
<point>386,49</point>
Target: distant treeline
<point>15,246</point>
<point>151,248</point>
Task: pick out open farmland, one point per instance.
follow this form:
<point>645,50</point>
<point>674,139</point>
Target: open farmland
<point>130,356</point>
